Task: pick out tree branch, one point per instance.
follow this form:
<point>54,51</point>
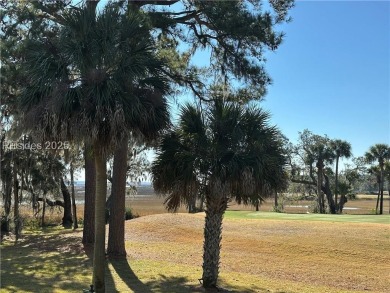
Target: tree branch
<point>303,181</point>
<point>51,202</point>
<point>140,3</point>
<point>188,82</point>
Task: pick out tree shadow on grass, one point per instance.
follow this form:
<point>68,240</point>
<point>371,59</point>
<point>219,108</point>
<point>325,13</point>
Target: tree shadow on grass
<point>181,285</point>
<point>124,271</point>
<point>169,284</point>
<point>41,263</point>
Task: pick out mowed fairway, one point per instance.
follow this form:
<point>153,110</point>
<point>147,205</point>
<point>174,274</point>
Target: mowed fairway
<point>261,252</point>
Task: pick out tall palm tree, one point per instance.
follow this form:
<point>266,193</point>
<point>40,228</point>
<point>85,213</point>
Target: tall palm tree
<point>341,148</point>
<point>379,152</point>
<point>375,171</point>
<point>387,176</point>
<point>225,152</point>
<point>97,81</point>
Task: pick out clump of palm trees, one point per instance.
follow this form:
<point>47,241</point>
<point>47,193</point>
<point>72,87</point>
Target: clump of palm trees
<point>224,152</point>
<point>379,153</point>
<point>97,81</point>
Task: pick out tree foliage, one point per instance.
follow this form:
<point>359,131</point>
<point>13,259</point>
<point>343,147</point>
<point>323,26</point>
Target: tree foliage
<point>309,160</point>
<point>380,153</point>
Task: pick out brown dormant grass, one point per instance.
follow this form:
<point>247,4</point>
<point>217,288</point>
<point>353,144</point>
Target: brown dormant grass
<point>165,255</point>
<point>282,256</point>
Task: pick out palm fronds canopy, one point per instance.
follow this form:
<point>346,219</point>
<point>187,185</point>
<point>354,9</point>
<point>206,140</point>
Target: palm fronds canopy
<point>98,79</point>
<point>227,145</point>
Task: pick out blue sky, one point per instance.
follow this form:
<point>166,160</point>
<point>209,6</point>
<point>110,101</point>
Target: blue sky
<point>331,74</point>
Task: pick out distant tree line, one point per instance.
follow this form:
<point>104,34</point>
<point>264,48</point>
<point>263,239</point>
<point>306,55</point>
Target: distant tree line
<point>310,166</point>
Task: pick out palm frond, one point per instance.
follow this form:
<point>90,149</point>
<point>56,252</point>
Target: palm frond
<point>101,75</point>
<point>230,148</point>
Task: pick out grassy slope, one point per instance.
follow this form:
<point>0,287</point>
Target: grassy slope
<point>261,252</point>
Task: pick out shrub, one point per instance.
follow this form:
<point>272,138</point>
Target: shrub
<point>80,221</point>
<point>279,208</point>
<point>129,214</point>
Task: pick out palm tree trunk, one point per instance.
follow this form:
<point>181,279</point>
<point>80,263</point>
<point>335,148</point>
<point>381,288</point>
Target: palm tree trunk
<point>116,235</point>
<point>381,190</point>
<point>337,184</point>
<point>16,203</point>
<point>99,259</point>
<point>89,200</point>
<point>321,206</point>
<point>211,248</point>
<point>215,210</point>
<point>74,212</point>
<point>329,195</point>
<point>377,199</point>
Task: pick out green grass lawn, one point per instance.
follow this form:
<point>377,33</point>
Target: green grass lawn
<point>380,219</point>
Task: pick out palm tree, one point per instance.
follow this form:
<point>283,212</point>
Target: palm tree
<point>97,81</point>
<point>317,150</point>
<point>375,171</point>
<point>341,148</point>
<point>379,152</point>
<point>225,152</point>
<point>387,176</point>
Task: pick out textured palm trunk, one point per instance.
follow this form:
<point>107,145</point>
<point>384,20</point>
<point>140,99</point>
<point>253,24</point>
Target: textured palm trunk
<point>89,200</point>
<point>16,204</point>
<point>321,206</point>
<point>215,210</point>
<point>337,185</point>
<point>211,248</point>
<point>377,198</point>
<point>381,191</point>
<point>99,259</point>
<point>116,235</point>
